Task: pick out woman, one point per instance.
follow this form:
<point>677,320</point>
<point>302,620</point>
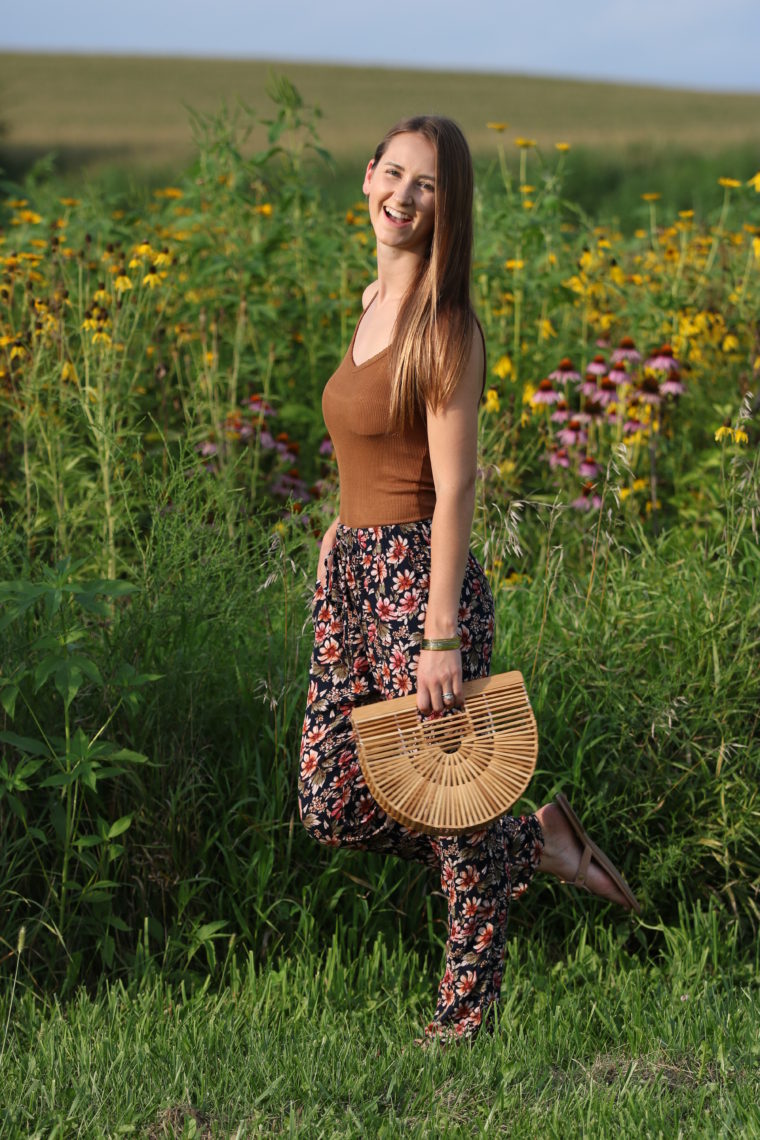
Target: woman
<point>400,603</point>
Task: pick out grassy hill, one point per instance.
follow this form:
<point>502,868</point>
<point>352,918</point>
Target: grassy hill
<point>121,110</point>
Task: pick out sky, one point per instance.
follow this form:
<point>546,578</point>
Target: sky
<point>700,44</point>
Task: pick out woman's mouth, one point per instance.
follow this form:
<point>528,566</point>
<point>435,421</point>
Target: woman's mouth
<point>395,216</point>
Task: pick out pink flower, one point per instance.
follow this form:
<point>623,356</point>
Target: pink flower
<point>596,367</point>
<point>618,376</point>
<point>588,468</point>
<point>404,580</point>
<point>561,413</point>
<point>385,610</point>
<point>564,371</point>
<point>662,360</point>
<point>545,394</point>
<point>485,938</point>
<point>587,499</point>
<point>672,386</point>
<point>572,434</point>
<point>626,350</point>
<point>589,387</point>
<point>559,458</point>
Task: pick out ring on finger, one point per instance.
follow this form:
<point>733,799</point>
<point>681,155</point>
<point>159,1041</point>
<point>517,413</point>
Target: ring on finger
<point>448,697</point>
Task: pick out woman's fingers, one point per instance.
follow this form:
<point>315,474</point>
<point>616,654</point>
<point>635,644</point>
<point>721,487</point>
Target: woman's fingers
<point>439,680</point>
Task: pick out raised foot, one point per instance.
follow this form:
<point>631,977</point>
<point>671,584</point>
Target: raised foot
<point>565,856</point>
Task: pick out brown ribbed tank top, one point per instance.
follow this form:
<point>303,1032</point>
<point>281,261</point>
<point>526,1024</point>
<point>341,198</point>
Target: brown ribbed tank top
<point>385,476</point>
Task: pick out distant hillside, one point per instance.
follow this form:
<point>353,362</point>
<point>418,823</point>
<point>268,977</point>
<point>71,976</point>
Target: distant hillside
<point>129,109</point>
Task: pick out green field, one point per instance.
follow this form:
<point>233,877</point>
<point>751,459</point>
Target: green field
<point>177,957</point>
<point>95,109</point>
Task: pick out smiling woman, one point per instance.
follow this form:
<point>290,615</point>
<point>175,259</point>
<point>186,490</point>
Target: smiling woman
<point>400,602</point>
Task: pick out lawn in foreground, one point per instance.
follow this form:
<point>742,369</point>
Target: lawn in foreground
<point>594,1044</point>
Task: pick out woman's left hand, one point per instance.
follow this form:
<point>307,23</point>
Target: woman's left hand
<point>439,680</point>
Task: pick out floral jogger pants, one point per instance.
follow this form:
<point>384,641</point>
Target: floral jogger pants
<point>368,624</point>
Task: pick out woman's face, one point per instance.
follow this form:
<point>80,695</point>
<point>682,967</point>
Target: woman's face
<point>401,189</point>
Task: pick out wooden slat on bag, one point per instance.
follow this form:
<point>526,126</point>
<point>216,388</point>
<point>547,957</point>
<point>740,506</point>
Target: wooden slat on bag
<point>452,773</point>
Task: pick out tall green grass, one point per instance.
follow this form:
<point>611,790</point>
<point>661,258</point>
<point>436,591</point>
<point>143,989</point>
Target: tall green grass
<point>154,635</point>
<point>596,1043</point>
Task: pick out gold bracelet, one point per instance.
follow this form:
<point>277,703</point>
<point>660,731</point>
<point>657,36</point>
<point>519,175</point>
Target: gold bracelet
<point>441,642</point>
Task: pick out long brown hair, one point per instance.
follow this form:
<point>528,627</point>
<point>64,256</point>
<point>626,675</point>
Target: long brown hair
<point>434,327</point>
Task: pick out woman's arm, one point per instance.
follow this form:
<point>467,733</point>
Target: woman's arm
<point>453,442</point>
<point>325,550</point>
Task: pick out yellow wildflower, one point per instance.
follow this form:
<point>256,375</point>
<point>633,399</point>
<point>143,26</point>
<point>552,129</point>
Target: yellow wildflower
<point>730,343</point>
<point>562,146</point>
<point>265,209</point>
<point>122,282</point>
<point>651,197</point>
<point>725,431</point>
<point>144,250</point>
<point>492,400</point>
<point>740,436</point>
<point>101,296</point>
<point>69,201</point>
<point>507,467</point>
<point>756,247</point>
<point>755,181</point>
<point>546,329</point>
<point>529,392</point>
<point>514,263</point>
<point>503,367</point>
<point>168,192</point>
<point>497,126</point>
<point>624,492</point>
<point>68,371</point>
<point>162,258</point>
<point>28,216</point>
<point>151,278</point>
<point>729,183</point>
<point>101,337</point>
<point>525,144</point>
<point>18,352</point>
<point>639,485</point>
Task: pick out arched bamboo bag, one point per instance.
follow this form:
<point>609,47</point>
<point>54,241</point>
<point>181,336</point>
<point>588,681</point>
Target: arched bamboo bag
<point>455,772</point>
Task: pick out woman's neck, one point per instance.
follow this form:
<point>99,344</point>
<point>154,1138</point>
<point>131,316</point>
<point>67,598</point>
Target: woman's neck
<point>396,271</point>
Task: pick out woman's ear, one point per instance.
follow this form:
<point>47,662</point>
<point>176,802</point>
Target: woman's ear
<point>368,176</point>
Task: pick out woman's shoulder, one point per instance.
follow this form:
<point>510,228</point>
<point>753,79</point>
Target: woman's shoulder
<point>369,294</point>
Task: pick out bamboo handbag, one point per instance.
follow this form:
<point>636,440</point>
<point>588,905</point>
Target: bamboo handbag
<point>454,772</point>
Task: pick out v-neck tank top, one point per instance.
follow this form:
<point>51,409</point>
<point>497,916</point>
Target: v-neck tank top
<point>385,475</point>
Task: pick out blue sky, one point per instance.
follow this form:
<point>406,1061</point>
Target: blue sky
<point>703,44</point>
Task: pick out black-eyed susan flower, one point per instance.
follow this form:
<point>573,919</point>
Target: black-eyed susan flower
<point>152,279</point>
<point>492,403</point>
<point>503,368</point>
<point>122,282</point>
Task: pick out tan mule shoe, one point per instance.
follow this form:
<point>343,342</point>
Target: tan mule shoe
<point>591,851</point>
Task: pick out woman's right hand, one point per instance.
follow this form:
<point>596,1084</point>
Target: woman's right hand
<point>325,551</point>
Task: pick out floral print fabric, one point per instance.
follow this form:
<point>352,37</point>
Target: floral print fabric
<point>368,624</point>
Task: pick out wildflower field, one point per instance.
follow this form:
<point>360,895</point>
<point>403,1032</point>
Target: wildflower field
<point>164,478</point>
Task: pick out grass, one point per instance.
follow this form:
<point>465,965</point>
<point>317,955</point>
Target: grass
<point>103,109</point>
<point>593,1044</point>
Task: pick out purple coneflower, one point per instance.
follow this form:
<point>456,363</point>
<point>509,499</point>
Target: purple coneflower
<point>596,367</point>
<point>545,394</point>
<point>326,446</point>
<point>572,434</point>
<point>558,458</point>
<point>648,391</point>
<point>206,448</point>
<point>626,350</point>
<point>672,385</point>
<point>587,500</point>
<point>662,360</point>
<point>589,387</point>
<point>607,393</point>
<point>588,468</point>
<point>561,413</point>
<point>618,376</point>
<point>564,371</point>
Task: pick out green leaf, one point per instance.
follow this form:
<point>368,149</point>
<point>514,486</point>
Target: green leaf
<point>24,744</point>
<point>119,826</point>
